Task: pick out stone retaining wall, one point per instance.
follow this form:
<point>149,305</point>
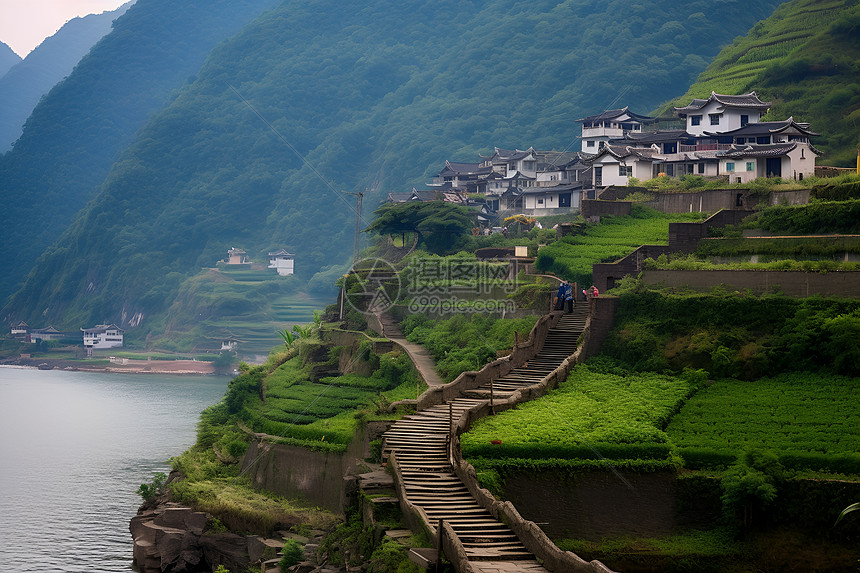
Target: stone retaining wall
<point>788,283</point>
<point>297,472</point>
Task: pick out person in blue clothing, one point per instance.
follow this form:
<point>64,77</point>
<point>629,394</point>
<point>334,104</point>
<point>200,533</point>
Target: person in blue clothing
<point>568,297</point>
<point>559,303</point>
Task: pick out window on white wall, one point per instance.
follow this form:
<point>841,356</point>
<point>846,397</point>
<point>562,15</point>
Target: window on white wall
<point>750,165</point>
<point>695,120</point>
<point>730,166</point>
<point>715,118</point>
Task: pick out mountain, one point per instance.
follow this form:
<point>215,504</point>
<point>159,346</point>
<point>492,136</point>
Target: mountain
<point>8,58</point>
<point>806,59</point>
<point>80,127</point>
<point>26,82</point>
<point>363,94</point>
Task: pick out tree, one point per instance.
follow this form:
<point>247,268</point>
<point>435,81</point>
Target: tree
<point>441,227</point>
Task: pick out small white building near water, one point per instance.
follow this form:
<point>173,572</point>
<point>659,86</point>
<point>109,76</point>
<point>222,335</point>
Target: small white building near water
<point>283,262</point>
<point>103,336</point>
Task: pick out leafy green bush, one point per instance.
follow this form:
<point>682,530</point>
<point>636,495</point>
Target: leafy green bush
<point>819,217</point>
<point>771,334</point>
<point>149,491</point>
<point>294,553</point>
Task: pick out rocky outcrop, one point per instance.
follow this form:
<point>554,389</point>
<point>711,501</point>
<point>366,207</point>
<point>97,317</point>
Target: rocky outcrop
<point>172,539</point>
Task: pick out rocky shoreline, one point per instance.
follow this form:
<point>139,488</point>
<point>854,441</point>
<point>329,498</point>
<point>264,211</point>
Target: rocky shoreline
<point>171,538</point>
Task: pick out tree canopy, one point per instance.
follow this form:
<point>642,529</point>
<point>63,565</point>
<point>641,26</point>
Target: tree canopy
<point>441,227</point>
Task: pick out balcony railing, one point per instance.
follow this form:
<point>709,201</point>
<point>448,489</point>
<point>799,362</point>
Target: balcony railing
<point>704,147</point>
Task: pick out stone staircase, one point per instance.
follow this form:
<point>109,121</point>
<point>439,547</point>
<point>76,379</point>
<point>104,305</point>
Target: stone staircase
<point>421,444</point>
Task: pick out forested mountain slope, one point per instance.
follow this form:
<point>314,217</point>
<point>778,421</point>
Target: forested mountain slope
<point>8,58</point>
<point>79,128</point>
<point>51,61</point>
<point>806,59</point>
<point>372,94</point>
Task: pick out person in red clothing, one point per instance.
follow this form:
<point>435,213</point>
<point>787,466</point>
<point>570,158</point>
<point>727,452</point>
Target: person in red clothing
<point>594,292</point>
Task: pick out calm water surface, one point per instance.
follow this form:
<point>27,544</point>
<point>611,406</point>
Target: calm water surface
<point>74,447</point>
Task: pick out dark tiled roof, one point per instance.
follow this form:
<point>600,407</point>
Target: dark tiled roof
<point>750,100</point>
<point>519,175</point>
<point>509,154</point>
<point>576,186</point>
<point>775,150</point>
<point>622,151</point>
<point>668,136</point>
<point>548,160</point>
<point>99,328</point>
<point>767,128</point>
<point>613,113</point>
<point>454,168</point>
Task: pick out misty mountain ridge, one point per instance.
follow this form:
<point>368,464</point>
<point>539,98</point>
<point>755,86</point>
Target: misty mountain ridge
<point>81,126</point>
<point>8,58</point>
<point>371,97</point>
<point>27,81</point>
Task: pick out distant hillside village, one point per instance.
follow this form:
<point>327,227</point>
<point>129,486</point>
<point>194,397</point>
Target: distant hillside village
<point>105,336</point>
<point>723,137</point>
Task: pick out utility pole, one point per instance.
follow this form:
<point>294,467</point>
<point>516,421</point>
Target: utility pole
<point>359,198</point>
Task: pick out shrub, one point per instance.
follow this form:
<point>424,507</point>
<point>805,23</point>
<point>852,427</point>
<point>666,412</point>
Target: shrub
<point>149,491</point>
<point>294,553</point>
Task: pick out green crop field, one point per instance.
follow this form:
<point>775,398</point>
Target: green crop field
<point>803,418</point>
<point>592,414</point>
<point>809,421</point>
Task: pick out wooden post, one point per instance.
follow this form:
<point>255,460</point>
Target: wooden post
<point>451,433</point>
<point>439,545</point>
<point>492,405</point>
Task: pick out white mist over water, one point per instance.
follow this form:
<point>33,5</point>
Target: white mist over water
<point>74,447</point>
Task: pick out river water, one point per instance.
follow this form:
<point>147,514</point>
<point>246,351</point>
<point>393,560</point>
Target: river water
<point>74,447</point>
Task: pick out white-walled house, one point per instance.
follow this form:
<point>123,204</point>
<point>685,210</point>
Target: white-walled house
<point>540,201</point>
<point>615,165</point>
<point>720,113</point>
<point>790,160</point>
<point>598,130</point>
<point>725,137</point>
<point>283,262</point>
<point>103,336</point>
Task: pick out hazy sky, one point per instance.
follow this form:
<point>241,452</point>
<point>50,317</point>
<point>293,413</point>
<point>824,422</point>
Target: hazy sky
<point>25,23</point>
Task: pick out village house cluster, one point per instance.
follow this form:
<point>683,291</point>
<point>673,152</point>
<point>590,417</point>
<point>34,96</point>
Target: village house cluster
<point>99,336</point>
<point>281,261</point>
<point>722,136</point>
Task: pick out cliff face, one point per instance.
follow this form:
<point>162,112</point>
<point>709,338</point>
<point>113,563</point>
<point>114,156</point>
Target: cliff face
<point>171,538</point>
